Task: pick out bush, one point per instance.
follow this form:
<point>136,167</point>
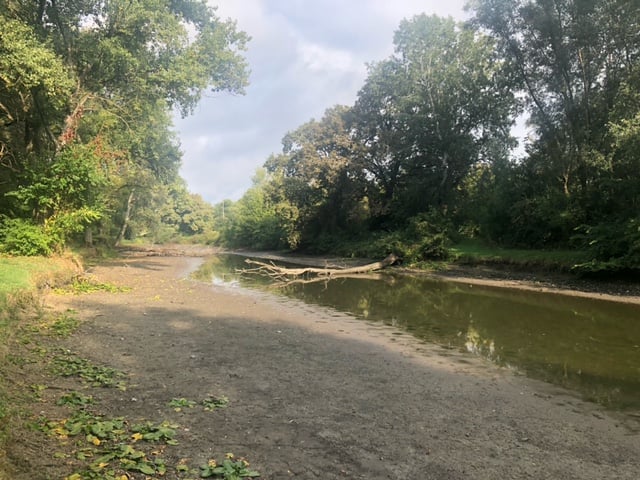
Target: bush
<point>428,232</point>
<point>613,247</point>
<point>21,237</point>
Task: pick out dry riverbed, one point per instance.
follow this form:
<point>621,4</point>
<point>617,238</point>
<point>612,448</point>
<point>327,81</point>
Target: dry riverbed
<point>314,394</point>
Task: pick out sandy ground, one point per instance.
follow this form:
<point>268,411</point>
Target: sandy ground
<point>318,395</point>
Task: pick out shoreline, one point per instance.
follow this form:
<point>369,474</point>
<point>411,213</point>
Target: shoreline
<point>485,275</point>
<point>313,393</point>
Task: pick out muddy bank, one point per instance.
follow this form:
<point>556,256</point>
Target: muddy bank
<point>495,276</point>
<point>318,395</point>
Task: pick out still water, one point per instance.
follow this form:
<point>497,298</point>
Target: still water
<point>586,345</point>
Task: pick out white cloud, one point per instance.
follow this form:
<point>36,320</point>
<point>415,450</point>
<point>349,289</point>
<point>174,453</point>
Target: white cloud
<point>305,56</point>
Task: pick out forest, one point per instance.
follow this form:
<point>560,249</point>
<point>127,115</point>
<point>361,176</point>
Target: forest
<point>425,158</point>
<point>87,93</point>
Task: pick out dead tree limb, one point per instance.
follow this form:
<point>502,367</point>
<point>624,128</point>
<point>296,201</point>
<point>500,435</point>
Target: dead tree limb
<point>275,271</point>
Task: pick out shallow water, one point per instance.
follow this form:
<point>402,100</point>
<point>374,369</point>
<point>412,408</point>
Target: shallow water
<point>587,345</point>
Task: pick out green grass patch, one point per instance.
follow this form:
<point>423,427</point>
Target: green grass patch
<point>81,285</point>
<point>69,365</point>
<point>27,273</point>
<point>208,404</point>
<point>474,252</point>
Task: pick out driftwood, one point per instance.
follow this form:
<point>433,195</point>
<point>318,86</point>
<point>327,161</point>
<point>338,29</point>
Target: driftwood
<point>284,272</point>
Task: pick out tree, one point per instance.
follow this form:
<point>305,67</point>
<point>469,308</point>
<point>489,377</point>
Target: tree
<point>254,220</point>
<point>107,74</point>
<point>438,106</point>
<point>35,87</point>
<point>315,175</point>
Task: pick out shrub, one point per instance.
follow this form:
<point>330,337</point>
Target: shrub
<point>613,247</point>
<point>21,237</point>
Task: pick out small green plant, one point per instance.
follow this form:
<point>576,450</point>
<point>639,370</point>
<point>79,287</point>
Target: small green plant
<point>230,469</point>
<point>22,237</point>
<point>150,432</point>
<point>81,285</point>
<point>69,365</point>
<point>110,444</point>
<point>130,459</point>
<point>212,403</point>
<point>209,404</point>
<point>75,399</point>
<point>179,403</point>
<point>65,325</point>
<point>37,390</point>
<point>95,427</point>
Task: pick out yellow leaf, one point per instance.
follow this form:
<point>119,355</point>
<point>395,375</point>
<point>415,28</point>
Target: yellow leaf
<point>136,436</point>
<point>75,476</point>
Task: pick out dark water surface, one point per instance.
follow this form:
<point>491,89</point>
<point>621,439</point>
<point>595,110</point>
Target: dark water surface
<point>591,346</point>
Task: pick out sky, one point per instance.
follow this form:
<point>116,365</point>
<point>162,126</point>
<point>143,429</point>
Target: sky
<point>305,56</point>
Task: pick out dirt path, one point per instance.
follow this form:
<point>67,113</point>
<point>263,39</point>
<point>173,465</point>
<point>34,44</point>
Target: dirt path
<point>318,395</point>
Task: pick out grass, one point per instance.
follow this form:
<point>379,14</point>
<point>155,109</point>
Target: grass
<point>20,278</point>
<point>474,252</point>
<point>28,273</point>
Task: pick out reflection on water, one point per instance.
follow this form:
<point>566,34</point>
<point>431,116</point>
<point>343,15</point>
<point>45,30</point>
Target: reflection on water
<point>583,344</point>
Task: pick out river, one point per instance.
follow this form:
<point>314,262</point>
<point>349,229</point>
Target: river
<point>586,345</point>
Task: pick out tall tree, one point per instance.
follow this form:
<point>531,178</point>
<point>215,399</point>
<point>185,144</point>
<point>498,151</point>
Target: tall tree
<point>568,57</point>
<point>113,71</point>
<point>439,105</point>
<point>316,173</point>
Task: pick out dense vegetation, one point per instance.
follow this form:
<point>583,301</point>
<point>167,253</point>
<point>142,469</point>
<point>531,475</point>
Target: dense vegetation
<point>87,90</point>
<point>426,155</point>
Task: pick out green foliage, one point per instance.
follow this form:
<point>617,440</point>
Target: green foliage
<point>80,285</point>
<point>64,195</point>
<point>85,113</point>
<point>230,469</point>
<point>256,221</point>
<point>75,399</point>
<point>22,237</point>
<point>64,325</point>
<point>69,365</point>
<point>613,247</point>
<point>209,404</point>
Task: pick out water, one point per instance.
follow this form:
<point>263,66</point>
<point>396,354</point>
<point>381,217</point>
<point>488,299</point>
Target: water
<point>587,345</point>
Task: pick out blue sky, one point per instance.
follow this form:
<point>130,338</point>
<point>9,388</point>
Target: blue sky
<point>305,56</point>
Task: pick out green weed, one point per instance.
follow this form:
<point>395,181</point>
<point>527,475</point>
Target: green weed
<point>75,399</point>
<point>82,285</point>
<point>230,469</point>
<point>209,404</point>
<point>179,403</point>
<point>150,432</point>
<point>69,365</point>
<point>65,325</point>
<point>212,403</point>
<point>109,444</point>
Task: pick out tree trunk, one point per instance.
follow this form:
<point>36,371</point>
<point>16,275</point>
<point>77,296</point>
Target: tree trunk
<point>125,221</point>
<point>88,237</point>
<point>274,270</point>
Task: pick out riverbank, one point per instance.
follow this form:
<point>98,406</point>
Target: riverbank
<point>312,393</point>
<point>501,276</point>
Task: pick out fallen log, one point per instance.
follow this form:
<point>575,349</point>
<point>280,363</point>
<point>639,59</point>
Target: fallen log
<point>274,270</point>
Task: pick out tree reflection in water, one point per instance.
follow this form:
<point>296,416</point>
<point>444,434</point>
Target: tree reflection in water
<point>587,345</point>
